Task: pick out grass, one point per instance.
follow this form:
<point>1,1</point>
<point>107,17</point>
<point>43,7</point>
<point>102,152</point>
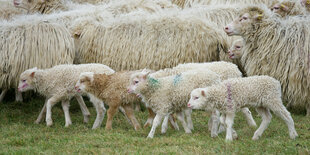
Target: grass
<point>19,135</point>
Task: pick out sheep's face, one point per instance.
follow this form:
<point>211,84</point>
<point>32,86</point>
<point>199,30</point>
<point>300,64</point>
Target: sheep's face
<point>85,80</point>
<point>246,22</point>
<point>235,51</point>
<point>283,8</point>
<point>136,80</point>
<point>198,99</point>
<point>26,81</point>
<point>306,3</point>
<point>27,4</point>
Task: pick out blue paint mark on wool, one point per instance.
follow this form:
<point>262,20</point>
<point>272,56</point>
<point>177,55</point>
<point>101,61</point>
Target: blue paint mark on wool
<point>153,82</point>
<point>177,79</point>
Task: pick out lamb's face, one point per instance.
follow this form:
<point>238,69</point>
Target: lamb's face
<point>85,80</point>
<point>245,23</point>
<point>198,99</point>
<point>135,80</point>
<point>282,8</point>
<point>235,51</point>
<point>26,80</point>
<point>27,4</point>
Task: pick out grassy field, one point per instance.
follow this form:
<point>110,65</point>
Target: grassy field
<point>19,135</point>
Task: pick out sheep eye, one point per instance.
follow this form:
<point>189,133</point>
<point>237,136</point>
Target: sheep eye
<point>244,18</point>
<point>29,1</point>
<point>276,8</point>
<point>23,80</point>
<point>82,81</point>
<point>238,47</point>
<point>195,98</point>
<point>136,82</point>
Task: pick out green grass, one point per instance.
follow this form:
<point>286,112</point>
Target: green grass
<point>19,135</point>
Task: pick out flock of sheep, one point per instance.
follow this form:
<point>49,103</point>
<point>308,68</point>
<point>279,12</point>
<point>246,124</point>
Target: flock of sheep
<point>222,56</point>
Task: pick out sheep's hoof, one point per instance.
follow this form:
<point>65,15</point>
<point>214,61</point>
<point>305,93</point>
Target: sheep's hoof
<point>293,135</point>
<point>228,140</point>
<point>49,123</point>
<point>255,138</point>
<point>86,119</point>
<point>146,125</point>
<point>149,137</point>
<point>188,132</point>
<point>37,122</point>
<point>214,135</point>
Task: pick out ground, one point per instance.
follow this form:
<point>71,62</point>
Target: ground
<point>19,135</point>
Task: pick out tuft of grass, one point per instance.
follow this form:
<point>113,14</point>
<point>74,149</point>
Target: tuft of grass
<point>19,134</point>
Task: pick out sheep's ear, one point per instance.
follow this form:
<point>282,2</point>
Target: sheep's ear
<point>203,93</point>
<point>145,75</point>
<point>32,74</point>
<point>284,7</point>
<point>77,34</point>
<point>42,1</point>
<point>258,17</point>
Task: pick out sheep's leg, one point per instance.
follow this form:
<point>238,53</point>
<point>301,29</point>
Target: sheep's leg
<point>137,107</point>
<point>308,109</point>
<point>188,114</point>
<point>83,107</point>
<point>130,113</point>
<point>282,112</point>
<point>122,110</point>
<point>18,96</point>
<point>248,116</point>
<point>111,112</point>
<point>229,121</point>
<point>65,106</point>
<point>215,123</point>
<point>164,125</point>
<point>222,124</point>
<point>266,118</point>
<point>41,113</point>
<point>4,91</point>
<point>100,109</point>
<point>180,117</point>
<point>173,123</point>
<point>150,118</point>
<point>157,120</point>
<point>49,105</point>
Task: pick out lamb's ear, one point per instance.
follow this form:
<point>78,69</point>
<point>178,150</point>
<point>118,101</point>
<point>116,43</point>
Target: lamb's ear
<point>284,7</point>
<point>32,74</point>
<point>203,93</point>
<point>258,17</point>
<point>145,75</point>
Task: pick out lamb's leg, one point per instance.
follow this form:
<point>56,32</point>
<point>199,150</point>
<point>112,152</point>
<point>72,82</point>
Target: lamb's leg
<point>308,109</point>
<point>83,107</point>
<point>65,106</point>
<point>150,118</point>
<point>282,112</point>
<point>130,114</point>
<point>249,118</point>
<point>215,123</point>
<point>122,110</point>
<point>157,120</point>
<point>49,105</point>
<point>41,113</point>
<point>4,91</point>
<point>100,109</point>
<point>111,112</point>
<point>137,107</point>
<point>222,124</point>
<point>229,121</point>
<point>180,117</point>
<point>188,114</point>
<point>164,125</point>
<point>266,118</point>
<point>173,123</point>
<point>18,96</point>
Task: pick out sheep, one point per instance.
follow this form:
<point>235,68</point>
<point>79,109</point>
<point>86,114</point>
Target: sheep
<point>278,48</point>
<point>57,84</point>
<point>28,42</point>
<point>288,8</point>
<point>169,94</point>
<point>225,70</point>
<point>235,51</point>
<point>41,6</point>
<point>145,39</point>
<point>190,3</point>
<point>262,92</point>
<point>306,4</point>
<point>7,10</point>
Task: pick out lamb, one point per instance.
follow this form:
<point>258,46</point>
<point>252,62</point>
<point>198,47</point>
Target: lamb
<point>147,38</point>
<point>306,4</point>
<point>112,90</point>
<point>278,48</point>
<point>235,51</point>
<point>8,11</point>
<point>57,84</point>
<point>288,8</point>
<point>169,94</point>
<point>28,42</point>
<point>262,92</point>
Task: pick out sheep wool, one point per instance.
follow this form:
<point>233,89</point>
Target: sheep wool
<point>32,42</point>
<point>8,11</point>
<point>156,41</point>
<point>288,8</point>
<point>262,92</point>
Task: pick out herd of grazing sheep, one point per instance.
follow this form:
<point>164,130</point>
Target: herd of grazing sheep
<point>222,56</point>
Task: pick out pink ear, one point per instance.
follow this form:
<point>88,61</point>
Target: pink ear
<point>42,1</point>
<point>32,74</point>
<point>145,75</point>
<point>203,93</point>
<point>284,7</point>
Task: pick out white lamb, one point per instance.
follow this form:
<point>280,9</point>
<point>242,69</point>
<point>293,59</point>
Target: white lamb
<point>262,92</point>
<point>57,84</point>
<point>170,94</point>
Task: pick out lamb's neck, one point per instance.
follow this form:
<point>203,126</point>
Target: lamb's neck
<point>40,82</point>
<point>146,90</point>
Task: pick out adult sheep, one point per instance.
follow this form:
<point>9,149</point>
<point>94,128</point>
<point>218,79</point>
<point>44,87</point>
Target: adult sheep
<point>29,42</point>
<point>190,3</point>
<point>7,10</point>
<point>288,8</point>
<point>278,48</point>
<point>156,41</point>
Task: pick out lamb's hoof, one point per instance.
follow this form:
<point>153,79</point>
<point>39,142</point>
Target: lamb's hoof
<point>37,122</point>
<point>214,135</point>
<point>137,127</point>
<point>228,140</point>
<point>293,135</point>
<point>108,128</point>
<point>49,123</point>
<point>146,125</point>
<point>68,124</point>
<point>188,132</point>
<point>86,119</point>
<point>149,137</point>
<point>255,138</point>
<point>163,131</point>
